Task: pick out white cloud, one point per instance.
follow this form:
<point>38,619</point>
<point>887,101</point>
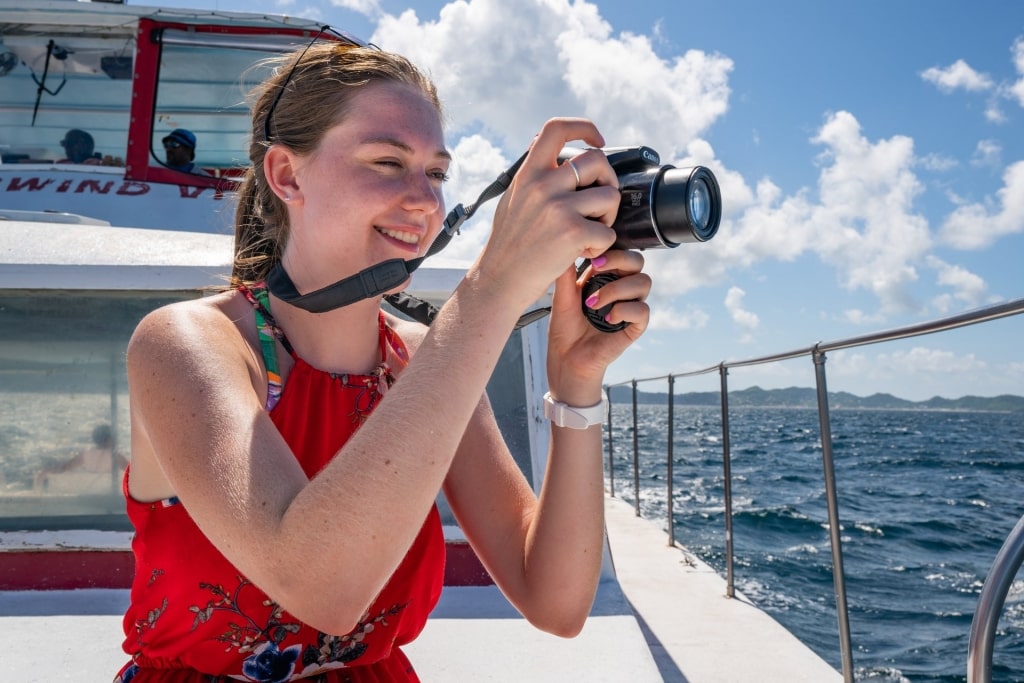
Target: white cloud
<point>742,317</point>
<point>1016,90</point>
<point>368,8</point>
<point>979,225</point>
<point>556,58</point>
<point>859,317</point>
<point>476,164</point>
<point>862,221</point>
<point>968,287</point>
<point>904,363</point>
<point>987,153</point>
<point>956,76</point>
<point>665,317</point>
<point>937,162</point>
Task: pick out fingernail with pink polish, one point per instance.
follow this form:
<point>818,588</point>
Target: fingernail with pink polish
<point>591,300</point>
<point>599,261</point>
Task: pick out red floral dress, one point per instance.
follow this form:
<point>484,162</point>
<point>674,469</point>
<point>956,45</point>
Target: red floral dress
<point>195,618</point>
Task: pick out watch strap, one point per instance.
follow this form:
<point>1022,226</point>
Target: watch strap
<point>574,417</point>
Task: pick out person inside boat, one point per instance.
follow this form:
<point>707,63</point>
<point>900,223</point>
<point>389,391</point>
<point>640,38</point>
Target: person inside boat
<point>286,454</point>
<point>79,148</point>
<point>98,458</point>
<point>180,148</point>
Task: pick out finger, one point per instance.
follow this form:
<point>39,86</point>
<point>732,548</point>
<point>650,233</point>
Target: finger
<point>554,136</point>
<point>567,291</point>
<point>636,313</point>
<point>599,204</point>
<point>620,261</point>
<point>636,287</point>
<point>593,169</point>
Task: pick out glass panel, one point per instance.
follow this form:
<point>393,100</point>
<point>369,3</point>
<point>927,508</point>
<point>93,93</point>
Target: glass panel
<point>78,94</point>
<point>202,90</point>
<point>64,429</point>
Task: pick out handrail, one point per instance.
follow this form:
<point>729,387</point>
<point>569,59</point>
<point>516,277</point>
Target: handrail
<point>1007,562</point>
<point>978,315</point>
<point>990,605</point>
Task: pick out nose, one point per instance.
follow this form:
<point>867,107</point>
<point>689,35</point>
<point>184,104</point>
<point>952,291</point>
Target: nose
<point>422,193</point>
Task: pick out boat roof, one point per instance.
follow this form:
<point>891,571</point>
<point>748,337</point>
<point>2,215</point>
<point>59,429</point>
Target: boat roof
<point>69,252</point>
<point>114,19</point>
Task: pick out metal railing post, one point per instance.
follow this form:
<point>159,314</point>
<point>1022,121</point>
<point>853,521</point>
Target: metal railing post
<point>611,463</point>
<point>834,531</point>
<point>730,583</point>
<point>990,605</point>
<point>669,474</point>
<point>636,459</point>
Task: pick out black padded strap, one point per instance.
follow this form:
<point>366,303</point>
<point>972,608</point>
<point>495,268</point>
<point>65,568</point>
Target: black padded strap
<point>366,284</point>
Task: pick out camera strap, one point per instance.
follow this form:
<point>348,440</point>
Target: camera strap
<point>379,278</point>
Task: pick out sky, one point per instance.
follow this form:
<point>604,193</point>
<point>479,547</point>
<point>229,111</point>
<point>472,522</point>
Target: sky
<point>870,157</point>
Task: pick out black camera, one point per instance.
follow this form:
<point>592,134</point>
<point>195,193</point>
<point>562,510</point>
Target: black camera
<point>660,206</point>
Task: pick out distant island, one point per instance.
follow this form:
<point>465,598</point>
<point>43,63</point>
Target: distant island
<point>802,397</point>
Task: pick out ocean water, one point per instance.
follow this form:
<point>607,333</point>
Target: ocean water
<point>926,499</point>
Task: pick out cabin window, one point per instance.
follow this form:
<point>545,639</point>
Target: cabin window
<point>64,428</point>
<point>202,85</point>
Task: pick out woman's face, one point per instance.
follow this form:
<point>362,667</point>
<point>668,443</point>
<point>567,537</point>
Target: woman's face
<point>371,191</point>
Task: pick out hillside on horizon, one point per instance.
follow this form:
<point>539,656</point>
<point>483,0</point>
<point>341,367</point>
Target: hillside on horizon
<point>805,397</point>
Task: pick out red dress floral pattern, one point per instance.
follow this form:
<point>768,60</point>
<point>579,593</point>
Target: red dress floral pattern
<point>195,618</point>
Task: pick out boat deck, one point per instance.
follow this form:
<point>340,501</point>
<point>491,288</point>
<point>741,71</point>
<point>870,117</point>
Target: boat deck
<point>662,616</point>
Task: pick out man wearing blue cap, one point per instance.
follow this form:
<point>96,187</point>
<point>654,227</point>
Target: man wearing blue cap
<point>180,147</point>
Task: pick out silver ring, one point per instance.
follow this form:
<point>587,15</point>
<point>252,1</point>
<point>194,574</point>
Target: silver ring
<point>575,172</point>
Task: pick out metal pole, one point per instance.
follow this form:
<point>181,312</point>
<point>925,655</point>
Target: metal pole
<point>636,460</point>
<point>834,532</point>
<point>730,584</point>
<point>669,470</point>
<point>115,482</point>
<point>990,605</point>
<point>611,464</point>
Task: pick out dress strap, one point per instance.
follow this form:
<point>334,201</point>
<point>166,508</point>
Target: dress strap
<point>269,334</point>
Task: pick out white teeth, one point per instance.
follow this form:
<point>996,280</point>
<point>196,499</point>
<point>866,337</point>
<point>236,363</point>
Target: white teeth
<point>407,237</point>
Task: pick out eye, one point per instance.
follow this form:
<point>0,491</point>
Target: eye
<point>439,175</point>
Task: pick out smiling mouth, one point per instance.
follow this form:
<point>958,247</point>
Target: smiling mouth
<point>406,237</point>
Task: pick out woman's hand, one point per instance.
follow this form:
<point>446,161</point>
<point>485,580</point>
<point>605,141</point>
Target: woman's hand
<point>578,353</point>
<point>543,223</point>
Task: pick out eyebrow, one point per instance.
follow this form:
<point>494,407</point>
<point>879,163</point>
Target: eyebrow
<point>395,142</point>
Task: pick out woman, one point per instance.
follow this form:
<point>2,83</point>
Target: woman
<point>291,533</point>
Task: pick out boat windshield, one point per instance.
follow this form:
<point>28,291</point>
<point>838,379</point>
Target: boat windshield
<point>129,87</point>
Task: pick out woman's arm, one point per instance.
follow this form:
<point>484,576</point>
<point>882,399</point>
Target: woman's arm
<point>546,553</point>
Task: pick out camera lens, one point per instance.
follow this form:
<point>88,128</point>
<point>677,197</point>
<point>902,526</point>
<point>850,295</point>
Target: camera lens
<point>687,205</point>
<point>700,205</point>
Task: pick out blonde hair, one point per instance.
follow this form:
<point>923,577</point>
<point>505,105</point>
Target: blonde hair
<point>319,85</point>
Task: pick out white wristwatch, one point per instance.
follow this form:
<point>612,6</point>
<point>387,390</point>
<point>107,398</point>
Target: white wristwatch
<point>573,417</point>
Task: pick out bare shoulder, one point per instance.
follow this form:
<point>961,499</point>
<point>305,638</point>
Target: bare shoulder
<point>411,332</point>
<point>212,327</point>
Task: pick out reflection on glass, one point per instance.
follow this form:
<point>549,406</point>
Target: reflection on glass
<point>64,429</point>
<point>202,95</point>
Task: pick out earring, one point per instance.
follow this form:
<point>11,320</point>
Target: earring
<point>287,197</point>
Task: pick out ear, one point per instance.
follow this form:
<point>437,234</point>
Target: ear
<point>279,165</point>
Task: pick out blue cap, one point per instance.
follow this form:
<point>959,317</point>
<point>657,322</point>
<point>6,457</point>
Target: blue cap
<point>183,137</point>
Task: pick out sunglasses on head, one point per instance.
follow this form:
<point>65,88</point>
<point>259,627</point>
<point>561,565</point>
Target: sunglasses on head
<point>291,72</point>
